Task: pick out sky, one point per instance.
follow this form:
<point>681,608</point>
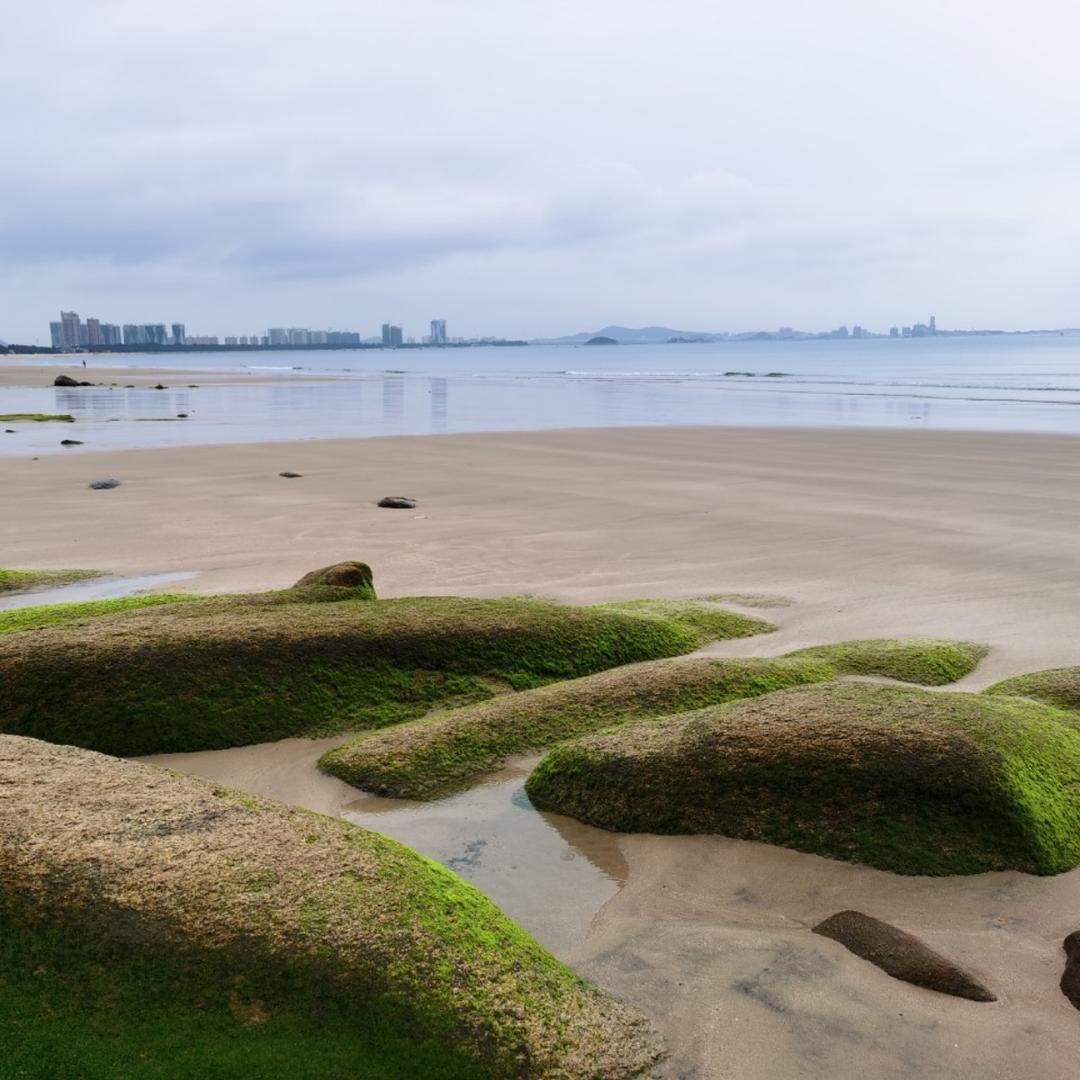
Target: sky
<point>532,169</point>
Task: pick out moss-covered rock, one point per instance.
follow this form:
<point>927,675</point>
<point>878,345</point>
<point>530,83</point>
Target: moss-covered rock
<point>712,621</point>
<point>903,780</point>
<point>343,575</point>
<point>228,671</point>
<point>173,923</point>
<point>430,756</point>
<point>1056,686</point>
<point>926,661</point>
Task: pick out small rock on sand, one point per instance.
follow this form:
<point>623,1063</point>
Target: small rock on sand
<point>901,955</point>
<point>1070,980</point>
<point>290,475</point>
<point>67,380</point>
<point>71,442</point>
<point>105,485</point>
<point>397,502</point>
<point>347,575</point>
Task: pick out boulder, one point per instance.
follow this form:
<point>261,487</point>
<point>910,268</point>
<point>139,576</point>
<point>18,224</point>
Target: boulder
<point>342,575</point>
<point>104,485</point>
<point>1070,980</point>
<point>290,475</point>
<point>397,502</point>
<point>901,955</point>
<point>71,442</point>
<point>65,380</point>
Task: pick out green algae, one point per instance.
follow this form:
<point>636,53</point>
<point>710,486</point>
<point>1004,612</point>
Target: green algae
<point>902,780</point>
<point>926,661</point>
<point>448,750</point>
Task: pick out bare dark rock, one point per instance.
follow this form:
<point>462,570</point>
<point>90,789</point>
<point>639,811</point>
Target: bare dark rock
<point>160,387</point>
<point>290,475</point>
<point>65,380</point>
<point>397,502</point>
<point>1070,980</point>
<point>105,485</point>
<point>901,955</point>
<point>71,442</point>
<point>181,416</point>
<point>9,431</point>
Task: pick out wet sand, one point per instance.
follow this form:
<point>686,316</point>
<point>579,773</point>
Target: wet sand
<point>867,533</point>
<point>27,373</point>
<point>711,937</point>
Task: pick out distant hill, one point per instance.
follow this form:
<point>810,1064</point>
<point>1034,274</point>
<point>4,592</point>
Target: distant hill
<point>625,335</point>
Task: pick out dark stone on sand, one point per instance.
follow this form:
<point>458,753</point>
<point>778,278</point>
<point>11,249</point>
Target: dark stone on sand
<point>160,387</point>
<point>901,955</point>
<point>9,431</point>
<point>67,380</point>
<point>1070,980</point>
<point>397,502</point>
<point>71,442</point>
<point>290,475</point>
<point>181,416</point>
<point>342,575</point>
<point>104,485</point>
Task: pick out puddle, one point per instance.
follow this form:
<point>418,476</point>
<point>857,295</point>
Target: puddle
<point>549,873</point>
<point>105,588</point>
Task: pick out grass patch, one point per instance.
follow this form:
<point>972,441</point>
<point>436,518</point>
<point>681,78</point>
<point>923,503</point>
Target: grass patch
<point>227,671</point>
<point>34,618</point>
<point>181,930</point>
<point>926,661</point>
<point>899,779</point>
<point>36,418</point>
<point>1057,686</point>
<point>24,580</point>
<point>448,750</point>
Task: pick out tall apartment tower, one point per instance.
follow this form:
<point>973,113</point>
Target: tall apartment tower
<point>438,331</point>
<point>69,322</point>
<point>56,334</point>
<point>94,335</point>
<point>179,333</point>
<point>391,336</point>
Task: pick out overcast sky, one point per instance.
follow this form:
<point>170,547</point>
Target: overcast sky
<point>533,168</point>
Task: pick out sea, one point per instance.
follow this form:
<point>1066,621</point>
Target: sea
<point>1018,383</point>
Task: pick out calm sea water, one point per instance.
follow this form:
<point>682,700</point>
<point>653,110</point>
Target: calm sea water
<point>1016,383</point>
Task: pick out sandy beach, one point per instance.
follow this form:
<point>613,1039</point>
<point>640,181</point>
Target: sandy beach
<point>838,533</point>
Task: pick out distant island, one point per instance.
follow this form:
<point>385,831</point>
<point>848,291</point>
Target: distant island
<point>666,335</point>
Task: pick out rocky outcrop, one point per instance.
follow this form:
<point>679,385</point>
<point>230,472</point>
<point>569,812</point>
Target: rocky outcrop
<point>901,955</point>
<point>342,575</point>
<point>397,502</point>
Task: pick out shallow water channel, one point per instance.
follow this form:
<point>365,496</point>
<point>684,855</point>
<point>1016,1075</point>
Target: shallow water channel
<point>102,588</point>
<point>549,873</point>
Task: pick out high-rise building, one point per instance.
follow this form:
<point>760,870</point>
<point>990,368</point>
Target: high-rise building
<point>298,336</point>
<point>69,321</point>
<point>438,331</point>
<point>391,336</point>
<point>110,332</point>
<point>56,334</point>
<point>933,324</point>
<point>93,332</point>
<point>278,336</point>
<point>156,334</point>
<point>131,334</point>
<point>179,333</point>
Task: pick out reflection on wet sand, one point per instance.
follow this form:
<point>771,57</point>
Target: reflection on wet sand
<point>549,873</point>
